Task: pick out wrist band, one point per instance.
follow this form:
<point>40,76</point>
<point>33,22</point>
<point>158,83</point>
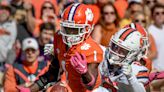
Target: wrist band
<point>41,83</point>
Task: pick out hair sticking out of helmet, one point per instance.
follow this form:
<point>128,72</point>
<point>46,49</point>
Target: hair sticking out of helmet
<point>144,34</point>
<point>76,24</point>
<point>125,46</point>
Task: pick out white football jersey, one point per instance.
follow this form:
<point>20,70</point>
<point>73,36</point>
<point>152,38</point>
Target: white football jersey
<point>116,75</point>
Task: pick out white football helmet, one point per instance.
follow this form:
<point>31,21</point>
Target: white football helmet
<point>125,46</point>
<point>145,36</point>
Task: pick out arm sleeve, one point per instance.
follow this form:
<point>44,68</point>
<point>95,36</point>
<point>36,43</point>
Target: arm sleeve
<point>50,76</point>
<point>136,85</point>
<point>10,81</point>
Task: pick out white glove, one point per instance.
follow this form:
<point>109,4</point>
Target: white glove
<point>49,49</point>
<point>127,70</point>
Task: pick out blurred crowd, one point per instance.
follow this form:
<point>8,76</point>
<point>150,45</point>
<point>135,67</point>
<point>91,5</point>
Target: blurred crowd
<point>27,25</point>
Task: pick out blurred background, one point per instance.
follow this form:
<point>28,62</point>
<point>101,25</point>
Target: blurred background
<point>40,19</point>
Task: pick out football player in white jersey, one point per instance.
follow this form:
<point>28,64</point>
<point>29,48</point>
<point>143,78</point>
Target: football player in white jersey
<point>122,64</point>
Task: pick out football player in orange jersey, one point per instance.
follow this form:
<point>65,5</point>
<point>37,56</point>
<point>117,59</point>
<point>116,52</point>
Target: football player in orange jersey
<point>84,55</point>
<point>81,55</point>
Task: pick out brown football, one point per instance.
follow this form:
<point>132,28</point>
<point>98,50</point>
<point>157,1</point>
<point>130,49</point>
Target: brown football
<point>59,88</point>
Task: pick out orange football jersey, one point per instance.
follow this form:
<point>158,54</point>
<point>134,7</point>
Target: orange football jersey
<point>93,53</point>
<point>59,52</point>
<point>59,46</point>
<point>89,48</point>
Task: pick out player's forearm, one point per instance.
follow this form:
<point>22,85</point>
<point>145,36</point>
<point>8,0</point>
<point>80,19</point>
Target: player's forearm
<point>88,80</point>
<point>40,84</point>
<point>136,85</point>
<point>34,88</point>
<point>50,76</point>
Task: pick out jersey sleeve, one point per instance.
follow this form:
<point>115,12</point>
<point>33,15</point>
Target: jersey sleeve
<point>92,51</point>
<point>94,54</point>
<point>141,72</point>
<point>94,57</point>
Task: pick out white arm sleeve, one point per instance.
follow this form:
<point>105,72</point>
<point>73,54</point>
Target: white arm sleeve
<point>136,85</point>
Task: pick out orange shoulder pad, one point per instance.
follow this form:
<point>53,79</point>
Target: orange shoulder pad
<point>91,50</point>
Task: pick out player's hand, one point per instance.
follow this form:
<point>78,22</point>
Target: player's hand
<point>127,69</point>
<point>49,49</point>
<point>79,63</point>
<point>23,89</point>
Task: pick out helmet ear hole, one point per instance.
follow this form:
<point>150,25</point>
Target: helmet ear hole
<point>87,28</point>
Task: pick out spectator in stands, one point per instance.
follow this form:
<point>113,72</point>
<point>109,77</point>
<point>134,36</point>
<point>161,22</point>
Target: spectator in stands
<point>140,17</point>
<point>148,6</point>
<point>28,70</point>
<point>134,6</point>
<point>24,14</point>
<point>47,31</point>
<point>107,25</point>
<point>121,7</point>
<point>150,3</point>
<point>8,33</point>
<point>157,31</point>
<point>47,15</point>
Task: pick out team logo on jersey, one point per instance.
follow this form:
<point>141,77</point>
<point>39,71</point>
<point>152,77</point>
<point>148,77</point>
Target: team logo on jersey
<point>89,14</point>
<point>85,46</point>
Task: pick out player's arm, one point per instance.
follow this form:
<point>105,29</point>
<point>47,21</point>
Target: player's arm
<point>50,76</point>
<point>88,72</point>
<point>135,84</point>
<point>89,78</point>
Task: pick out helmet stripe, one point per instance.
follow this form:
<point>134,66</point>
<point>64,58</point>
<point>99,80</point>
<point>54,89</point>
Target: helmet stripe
<point>129,34</point>
<point>132,25</point>
<point>75,11</point>
<point>72,11</point>
<point>126,33</point>
<point>123,32</point>
<point>69,12</point>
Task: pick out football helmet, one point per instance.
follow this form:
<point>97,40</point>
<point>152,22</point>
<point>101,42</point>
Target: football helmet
<point>125,46</point>
<point>144,34</point>
<point>76,23</point>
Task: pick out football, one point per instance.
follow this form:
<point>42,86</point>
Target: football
<point>59,87</point>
